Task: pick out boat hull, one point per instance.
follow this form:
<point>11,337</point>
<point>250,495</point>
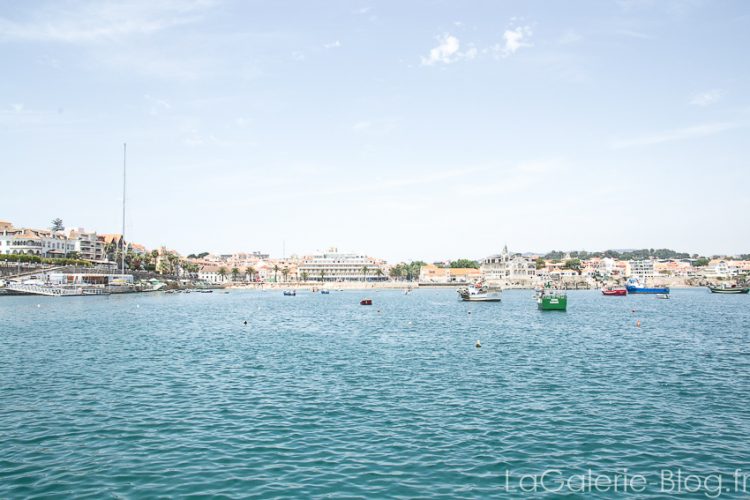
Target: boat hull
<point>638,289</point>
<point>552,303</point>
<point>733,291</point>
<point>615,293</point>
<point>481,299</point>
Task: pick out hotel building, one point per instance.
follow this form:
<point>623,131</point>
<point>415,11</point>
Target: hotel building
<point>335,266</point>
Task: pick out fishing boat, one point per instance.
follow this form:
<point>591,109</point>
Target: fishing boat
<point>290,293</point>
<point>733,289</point>
<point>552,300</point>
<point>365,302</point>
<point>614,292</point>
<point>634,286</point>
<point>325,292</point>
<point>479,292</point>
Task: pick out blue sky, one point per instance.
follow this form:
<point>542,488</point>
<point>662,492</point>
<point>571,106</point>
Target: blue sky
<point>405,130</point>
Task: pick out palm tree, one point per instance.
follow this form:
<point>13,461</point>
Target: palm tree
<point>304,276</point>
<point>364,272</point>
<point>379,273</point>
<point>322,275</point>
<point>285,273</point>
<point>222,272</point>
<point>275,272</point>
<point>235,274</point>
<point>250,271</point>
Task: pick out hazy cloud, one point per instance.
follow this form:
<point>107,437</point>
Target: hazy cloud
<point>87,22</point>
<point>706,98</point>
<point>675,135</point>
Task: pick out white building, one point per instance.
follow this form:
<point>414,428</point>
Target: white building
<point>335,266</point>
<point>721,269</point>
<point>211,274</point>
<point>642,268</point>
<point>39,242</point>
<point>507,268</point>
<point>88,245</point>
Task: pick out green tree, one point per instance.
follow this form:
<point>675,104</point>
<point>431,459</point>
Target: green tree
<point>701,262</point>
<point>397,271</point>
<point>365,270</point>
<point>285,273</point>
<point>464,264</point>
<point>304,276</point>
<point>379,273</point>
<point>275,273</point>
<point>222,272</point>
<point>574,264</point>
<point>322,275</point>
<point>540,263</point>
<point>235,274</point>
<point>57,225</point>
<point>250,272</point>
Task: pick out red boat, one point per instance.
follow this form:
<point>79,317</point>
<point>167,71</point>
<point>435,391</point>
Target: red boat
<point>614,291</point>
<point>365,302</point>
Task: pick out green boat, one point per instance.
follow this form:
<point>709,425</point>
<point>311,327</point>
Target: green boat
<point>552,301</point>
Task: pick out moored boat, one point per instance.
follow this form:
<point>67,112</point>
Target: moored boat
<point>634,286</point>
<point>365,302</point>
<point>552,300</point>
<point>290,293</point>
<point>479,292</point>
<point>729,289</point>
<point>614,292</point>
<point>662,295</point>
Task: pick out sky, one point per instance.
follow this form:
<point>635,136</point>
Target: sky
<point>403,130</point>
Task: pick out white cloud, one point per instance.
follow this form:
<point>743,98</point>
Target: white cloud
<point>675,135</point>
<point>446,52</point>
<point>332,45</point>
<point>706,98</point>
<point>513,40</point>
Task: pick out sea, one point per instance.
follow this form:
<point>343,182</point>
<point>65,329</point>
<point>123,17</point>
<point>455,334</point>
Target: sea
<point>252,394</point>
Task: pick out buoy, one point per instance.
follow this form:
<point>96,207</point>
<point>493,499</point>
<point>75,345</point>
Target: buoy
<point>469,312</point>
<point>478,344</point>
<point>245,322</point>
<point>638,323</point>
<point>39,305</point>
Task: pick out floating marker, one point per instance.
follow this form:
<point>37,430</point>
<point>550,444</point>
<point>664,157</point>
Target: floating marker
<point>478,344</point>
<point>638,323</point>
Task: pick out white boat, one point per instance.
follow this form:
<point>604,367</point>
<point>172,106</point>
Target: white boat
<point>479,292</point>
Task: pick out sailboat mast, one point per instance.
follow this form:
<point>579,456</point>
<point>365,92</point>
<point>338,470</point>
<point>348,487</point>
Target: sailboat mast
<point>124,178</point>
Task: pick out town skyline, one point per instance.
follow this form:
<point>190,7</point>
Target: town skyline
<point>76,231</point>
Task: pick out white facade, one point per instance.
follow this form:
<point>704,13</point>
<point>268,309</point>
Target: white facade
<point>18,241</point>
<point>642,268</point>
<point>88,245</point>
<point>508,269</point>
<point>334,266</point>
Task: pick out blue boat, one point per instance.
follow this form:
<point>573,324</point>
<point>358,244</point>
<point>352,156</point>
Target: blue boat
<point>634,286</point>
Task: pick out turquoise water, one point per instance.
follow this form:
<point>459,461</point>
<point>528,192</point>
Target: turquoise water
<point>137,396</point>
